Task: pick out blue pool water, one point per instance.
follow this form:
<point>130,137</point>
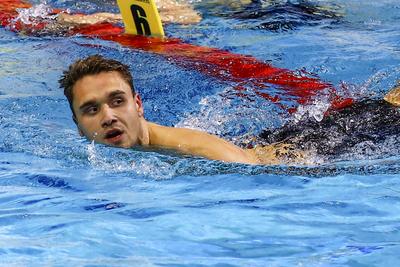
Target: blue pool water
<point>67,202</point>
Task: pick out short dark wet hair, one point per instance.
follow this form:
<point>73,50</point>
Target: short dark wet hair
<point>91,65</point>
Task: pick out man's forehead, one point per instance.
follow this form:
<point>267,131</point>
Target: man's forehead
<point>100,83</point>
<point>97,86</point>
<point>102,78</point>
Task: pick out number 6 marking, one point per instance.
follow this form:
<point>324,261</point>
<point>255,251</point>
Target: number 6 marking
<point>139,15</point>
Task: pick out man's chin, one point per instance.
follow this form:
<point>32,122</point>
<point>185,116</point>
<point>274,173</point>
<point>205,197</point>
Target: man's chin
<point>122,144</point>
<point>115,144</point>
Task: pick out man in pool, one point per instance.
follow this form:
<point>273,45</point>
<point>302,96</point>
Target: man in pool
<point>55,23</point>
<point>107,109</point>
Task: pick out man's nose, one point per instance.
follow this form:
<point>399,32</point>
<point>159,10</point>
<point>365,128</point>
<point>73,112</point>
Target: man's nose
<point>108,117</point>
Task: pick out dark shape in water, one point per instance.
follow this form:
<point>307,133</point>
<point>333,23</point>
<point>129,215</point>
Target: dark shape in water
<point>283,16</point>
<point>373,121</point>
<point>51,181</point>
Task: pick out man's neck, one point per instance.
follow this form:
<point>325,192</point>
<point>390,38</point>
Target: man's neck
<point>144,134</point>
<point>157,136</point>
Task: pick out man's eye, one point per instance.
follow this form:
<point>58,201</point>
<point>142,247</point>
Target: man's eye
<point>91,110</point>
<point>117,102</point>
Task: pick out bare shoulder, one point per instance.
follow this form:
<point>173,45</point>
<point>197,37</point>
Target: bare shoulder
<point>164,134</point>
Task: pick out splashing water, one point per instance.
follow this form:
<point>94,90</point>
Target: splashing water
<point>121,161</point>
<point>35,14</point>
<point>91,149</point>
<point>234,119</point>
<point>315,110</point>
<point>211,115</point>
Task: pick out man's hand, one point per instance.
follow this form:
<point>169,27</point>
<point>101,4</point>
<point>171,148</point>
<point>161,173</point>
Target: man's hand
<point>279,153</point>
<point>393,97</point>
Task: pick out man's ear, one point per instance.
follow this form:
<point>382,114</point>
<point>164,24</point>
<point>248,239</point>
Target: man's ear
<point>139,105</point>
<point>77,125</point>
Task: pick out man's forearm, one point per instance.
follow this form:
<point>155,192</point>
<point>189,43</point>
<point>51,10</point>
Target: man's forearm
<point>89,19</point>
<point>170,11</point>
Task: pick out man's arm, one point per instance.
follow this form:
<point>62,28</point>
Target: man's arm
<point>170,12</point>
<point>202,144</point>
<point>198,143</point>
<point>89,19</point>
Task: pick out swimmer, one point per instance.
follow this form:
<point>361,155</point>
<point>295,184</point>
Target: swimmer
<point>369,121</point>
<point>171,11</point>
<point>107,109</point>
<point>62,23</point>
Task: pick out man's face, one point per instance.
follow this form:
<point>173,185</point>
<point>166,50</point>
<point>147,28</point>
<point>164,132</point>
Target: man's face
<point>106,111</point>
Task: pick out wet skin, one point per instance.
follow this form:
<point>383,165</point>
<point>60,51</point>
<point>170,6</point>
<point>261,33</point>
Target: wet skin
<point>107,112</point>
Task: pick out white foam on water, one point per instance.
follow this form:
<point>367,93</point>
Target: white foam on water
<point>142,163</point>
<point>210,117</point>
<point>230,117</point>
<point>315,110</point>
<point>35,14</point>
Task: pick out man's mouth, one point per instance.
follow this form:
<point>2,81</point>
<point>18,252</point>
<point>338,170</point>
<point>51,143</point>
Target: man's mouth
<point>113,136</point>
